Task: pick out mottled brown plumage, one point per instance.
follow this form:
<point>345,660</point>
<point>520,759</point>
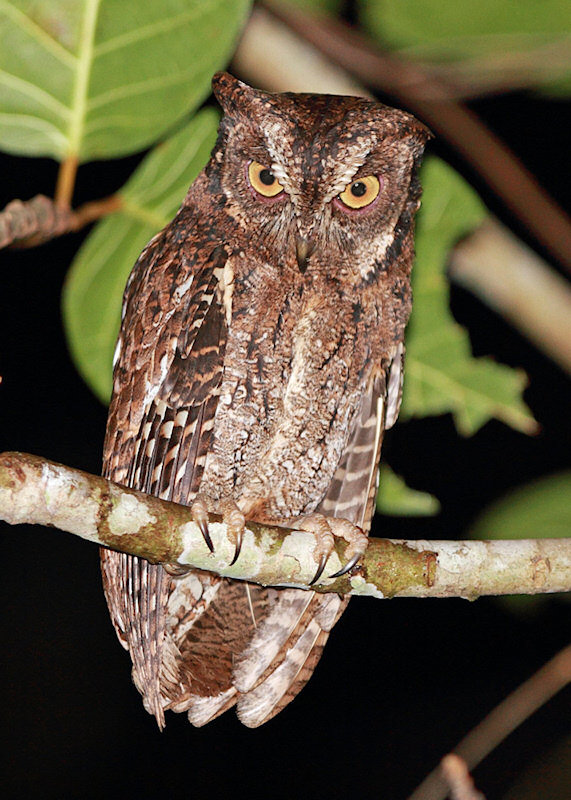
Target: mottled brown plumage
<point>259,361</point>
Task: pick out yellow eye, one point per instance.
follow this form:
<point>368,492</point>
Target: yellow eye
<point>361,192</point>
<point>263,180</point>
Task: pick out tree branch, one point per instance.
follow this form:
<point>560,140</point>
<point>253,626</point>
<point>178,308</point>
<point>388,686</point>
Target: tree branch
<point>34,490</point>
<point>27,223</point>
<point>512,279</point>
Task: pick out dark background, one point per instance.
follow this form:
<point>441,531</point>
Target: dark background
<point>400,682</point>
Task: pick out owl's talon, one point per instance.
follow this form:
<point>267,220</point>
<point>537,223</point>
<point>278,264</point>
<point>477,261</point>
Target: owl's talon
<point>176,570</point>
<point>199,512</point>
<point>237,550</point>
<point>348,566</point>
<point>236,523</point>
<point>320,568</point>
<point>205,534</point>
<point>325,541</point>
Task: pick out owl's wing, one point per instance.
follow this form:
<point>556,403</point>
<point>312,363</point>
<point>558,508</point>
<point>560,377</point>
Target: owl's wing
<point>169,365</point>
<point>288,644</point>
<point>354,486</point>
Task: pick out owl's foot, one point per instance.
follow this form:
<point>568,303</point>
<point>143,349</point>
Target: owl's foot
<point>231,516</point>
<point>326,529</point>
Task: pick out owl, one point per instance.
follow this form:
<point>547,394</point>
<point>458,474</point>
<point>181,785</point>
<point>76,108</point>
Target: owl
<point>259,362</point>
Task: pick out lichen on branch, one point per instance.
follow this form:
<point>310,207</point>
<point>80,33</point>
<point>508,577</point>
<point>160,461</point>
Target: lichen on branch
<point>36,491</point>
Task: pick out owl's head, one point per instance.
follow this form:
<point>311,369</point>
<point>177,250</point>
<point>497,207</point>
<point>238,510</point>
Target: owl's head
<point>320,179</point>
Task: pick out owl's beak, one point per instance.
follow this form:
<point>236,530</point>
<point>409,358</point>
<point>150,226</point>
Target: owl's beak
<point>303,249</point>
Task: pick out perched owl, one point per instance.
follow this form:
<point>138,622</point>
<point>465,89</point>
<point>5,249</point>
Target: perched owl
<point>258,364</point>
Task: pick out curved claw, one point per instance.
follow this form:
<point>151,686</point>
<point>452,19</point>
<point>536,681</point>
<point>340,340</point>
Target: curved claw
<point>239,539</point>
<point>320,568</point>
<point>348,566</point>
<point>176,570</point>
<point>203,525</point>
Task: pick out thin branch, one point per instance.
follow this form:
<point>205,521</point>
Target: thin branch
<point>429,99</point>
<point>505,718</point>
<point>28,223</point>
<point>32,221</point>
<point>94,210</point>
<point>34,490</point>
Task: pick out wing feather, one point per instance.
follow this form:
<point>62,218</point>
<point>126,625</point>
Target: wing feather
<point>168,370</point>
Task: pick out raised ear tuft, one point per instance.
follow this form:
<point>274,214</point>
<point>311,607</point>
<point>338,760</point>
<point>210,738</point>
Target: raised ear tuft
<point>232,94</point>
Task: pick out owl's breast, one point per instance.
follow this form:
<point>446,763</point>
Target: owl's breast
<point>295,372</point>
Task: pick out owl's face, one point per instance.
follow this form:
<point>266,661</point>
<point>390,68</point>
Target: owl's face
<point>317,179</point>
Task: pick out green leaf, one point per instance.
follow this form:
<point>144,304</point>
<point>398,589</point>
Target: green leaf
<point>538,510</point>
<point>102,78</point>
<point>395,498</point>
<point>495,34</point>
<point>441,375</point>
<point>94,286</point>
<point>481,24</point>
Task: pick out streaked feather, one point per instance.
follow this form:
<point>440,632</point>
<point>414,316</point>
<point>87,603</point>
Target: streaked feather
<point>166,379</point>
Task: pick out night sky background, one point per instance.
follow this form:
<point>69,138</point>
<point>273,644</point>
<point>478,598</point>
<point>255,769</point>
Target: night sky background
<point>400,682</point>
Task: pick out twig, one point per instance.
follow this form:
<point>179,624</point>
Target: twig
<point>33,490</point>
<point>28,223</point>
<point>35,220</point>
<point>96,209</point>
<point>429,99</point>
<point>504,719</point>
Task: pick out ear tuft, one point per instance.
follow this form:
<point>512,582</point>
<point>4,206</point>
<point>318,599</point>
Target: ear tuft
<point>231,93</point>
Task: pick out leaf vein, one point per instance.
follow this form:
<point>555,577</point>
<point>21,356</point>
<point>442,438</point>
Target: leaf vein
<point>28,121</point>
<point>149,31</point>
<point>130,90</point>
<point>38,33</point>
<point>462,394</point>
<point>35,92</point>
<point>83,74</point>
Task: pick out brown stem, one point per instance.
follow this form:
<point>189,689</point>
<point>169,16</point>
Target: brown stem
<point>89,212</point>
<point>66,182</point>
<point>429,98</point>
